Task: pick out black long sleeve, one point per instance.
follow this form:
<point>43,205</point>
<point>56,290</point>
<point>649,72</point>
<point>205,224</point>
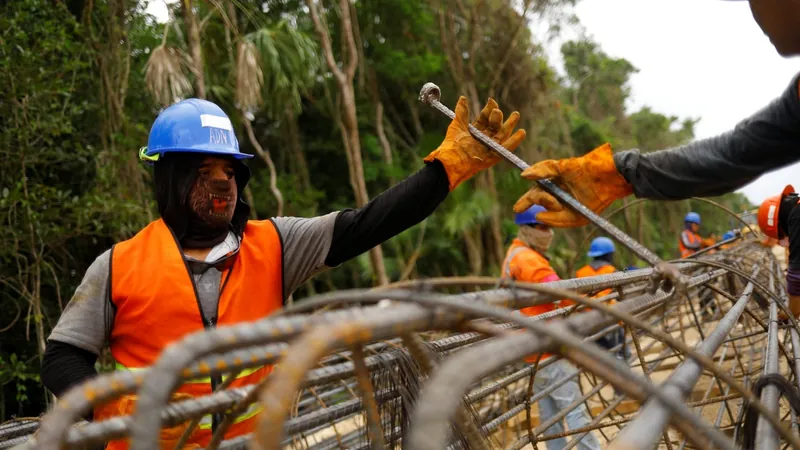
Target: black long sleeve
<point>397,209</point>
<point>768,140</point>
<point>64,366</point>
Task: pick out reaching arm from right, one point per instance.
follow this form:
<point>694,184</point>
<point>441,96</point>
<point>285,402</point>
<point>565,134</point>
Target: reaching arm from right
<point>768,140</point>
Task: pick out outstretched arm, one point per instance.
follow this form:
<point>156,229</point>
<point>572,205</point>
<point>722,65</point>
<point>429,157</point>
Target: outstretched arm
<point>766,141</point>
<point>387,215</point>
<point>311,245</point>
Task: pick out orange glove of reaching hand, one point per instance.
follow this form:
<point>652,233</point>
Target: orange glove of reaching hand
<point>591,179</point>
<point>462,155</point>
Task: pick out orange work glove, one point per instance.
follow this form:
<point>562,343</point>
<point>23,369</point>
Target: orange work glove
<point>461,154</point>
<point>709,241</point>
<point>591,179</point>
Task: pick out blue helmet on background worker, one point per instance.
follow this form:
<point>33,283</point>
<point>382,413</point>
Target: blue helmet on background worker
<point>528,217</point>
<point>728,235</point>
<point>601,246</point>
<point>192,126</point>
<point>692,217</point>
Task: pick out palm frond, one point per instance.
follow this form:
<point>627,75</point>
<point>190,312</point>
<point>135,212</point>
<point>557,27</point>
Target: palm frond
<point>289,62</point>
<point>165,75</point>
<point>249,77</point>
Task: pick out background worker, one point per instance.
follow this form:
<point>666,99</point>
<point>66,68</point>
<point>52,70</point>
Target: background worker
<point>730,234</point>
<point>526,260</point>
<point>779,219</point>
<point>690,240</point>
<point>689,243</point>
<point>768,140</point>
<point>602,250</point>
<point>203,264</point>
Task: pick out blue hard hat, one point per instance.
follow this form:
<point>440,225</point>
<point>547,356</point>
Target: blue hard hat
<point>692,217</point>
<point>728,235</point>
<point>192,126</point>
<point>528,217</point>
<point>601,246</point>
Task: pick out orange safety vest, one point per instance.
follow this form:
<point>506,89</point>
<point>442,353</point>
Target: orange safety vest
<point>589,271</point>
<point>523,263</point>
<point>156,304</point>
<point>691,237</point>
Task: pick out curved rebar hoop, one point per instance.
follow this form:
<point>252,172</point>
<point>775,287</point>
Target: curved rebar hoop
<point>324,394</point>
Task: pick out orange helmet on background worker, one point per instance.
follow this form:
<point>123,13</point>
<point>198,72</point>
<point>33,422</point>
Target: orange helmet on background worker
<point>769,215</point>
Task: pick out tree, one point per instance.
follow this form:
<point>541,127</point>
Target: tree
<point>348,122</point>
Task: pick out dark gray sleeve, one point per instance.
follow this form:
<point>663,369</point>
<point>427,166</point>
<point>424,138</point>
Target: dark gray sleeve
<point>305,246</point>
<point>87,319</point>
<point>768,140</point>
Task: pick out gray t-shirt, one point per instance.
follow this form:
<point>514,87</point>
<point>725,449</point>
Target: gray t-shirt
<point>87,320</point>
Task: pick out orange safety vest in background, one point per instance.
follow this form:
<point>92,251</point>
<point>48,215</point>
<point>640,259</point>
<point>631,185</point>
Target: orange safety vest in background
<point>523,263</point>
<point>692,238</point>
<point>589,271</point>
<point>156,304</point>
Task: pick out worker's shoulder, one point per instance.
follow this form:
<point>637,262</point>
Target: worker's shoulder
<point>98,269</point>
<point>304,227</point>
<point>527,254</point>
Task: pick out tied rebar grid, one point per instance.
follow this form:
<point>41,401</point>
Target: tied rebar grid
<point>440,370</point>
<point>434,369</point>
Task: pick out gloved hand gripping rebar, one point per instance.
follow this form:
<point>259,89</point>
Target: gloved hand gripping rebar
<point>430,95</point>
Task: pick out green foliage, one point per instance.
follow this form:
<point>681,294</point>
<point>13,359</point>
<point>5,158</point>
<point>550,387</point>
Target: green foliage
<point>19,374</point>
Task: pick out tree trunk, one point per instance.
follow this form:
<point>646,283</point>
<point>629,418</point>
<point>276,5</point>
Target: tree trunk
<point>293,138</point>
<point>264,154</point>
<point>496,219</point>
<point>414,109</point>
<point>473,245</point>
<point>195,50</point>
<point>379,129</point>
<point>349,120</point>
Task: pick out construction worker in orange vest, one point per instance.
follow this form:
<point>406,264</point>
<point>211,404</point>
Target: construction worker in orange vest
<point>730,234</point>
<point>690,241</point>
<point>602,250</point>
<point>779,219</point>
<point>765,141</point>
<point>205,264</point>
<point>526,260</point>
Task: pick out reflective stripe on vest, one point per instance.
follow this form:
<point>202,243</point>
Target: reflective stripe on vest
<point>156,304</point>
<point>250,412</point>
<point>510,257</point>
<point>242,374</point>
<point>693,239</point>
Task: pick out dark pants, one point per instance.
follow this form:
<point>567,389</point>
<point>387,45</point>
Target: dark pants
<point>613,339</point>
<point>708,306</point>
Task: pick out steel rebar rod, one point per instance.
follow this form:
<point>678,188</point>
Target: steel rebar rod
<point>430,95</point>
<point>679,384</point>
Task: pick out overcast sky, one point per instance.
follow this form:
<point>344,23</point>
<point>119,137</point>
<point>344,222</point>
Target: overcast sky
<point>696,58</point>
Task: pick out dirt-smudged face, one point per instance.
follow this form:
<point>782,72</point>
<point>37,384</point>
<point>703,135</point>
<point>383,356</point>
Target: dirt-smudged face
<point>213,195</point>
